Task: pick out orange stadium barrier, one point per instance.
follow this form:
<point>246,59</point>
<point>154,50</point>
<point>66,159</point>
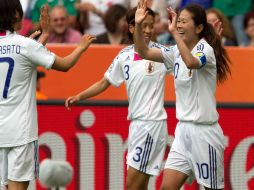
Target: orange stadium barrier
<point>94,62</point>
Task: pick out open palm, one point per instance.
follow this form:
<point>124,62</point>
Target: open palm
<point>172,20</point>
<point>141,12</point>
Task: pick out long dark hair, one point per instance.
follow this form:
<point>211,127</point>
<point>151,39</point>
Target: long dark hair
<point>130,18</point>
<point>112,17</point>
<point>8,14</point>
<point>213,39</point>
<point>227,28</point>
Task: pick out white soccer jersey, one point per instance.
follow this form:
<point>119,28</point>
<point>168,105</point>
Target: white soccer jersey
<point>19,57</point>
<point>144,81</point>
<point>195,89</point>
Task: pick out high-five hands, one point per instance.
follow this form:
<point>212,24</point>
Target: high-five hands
<point>45,19</point>
<point>44,23</point>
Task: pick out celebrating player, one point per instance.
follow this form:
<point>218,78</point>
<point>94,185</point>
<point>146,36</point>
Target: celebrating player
<point>19,57</point>
<point>198,60</point>
<point>145,88</point>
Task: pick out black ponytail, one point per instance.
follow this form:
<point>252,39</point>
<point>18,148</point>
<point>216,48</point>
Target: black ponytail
<point>222,59</point>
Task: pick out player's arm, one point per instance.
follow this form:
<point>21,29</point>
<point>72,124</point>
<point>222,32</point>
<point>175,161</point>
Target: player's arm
<point>190,61</point>
<point>141,47</point>
<point>143,50</point>
<point>93,90</point>
<point>65,63</point>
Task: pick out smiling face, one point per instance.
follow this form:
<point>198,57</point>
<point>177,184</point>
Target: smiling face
<point>147,28</point>
<point>59,20</point>
<point>187,29</point>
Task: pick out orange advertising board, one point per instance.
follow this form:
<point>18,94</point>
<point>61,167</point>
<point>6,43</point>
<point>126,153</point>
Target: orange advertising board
<point>95,61</point>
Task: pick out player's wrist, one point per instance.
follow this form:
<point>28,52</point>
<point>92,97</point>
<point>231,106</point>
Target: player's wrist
<point>45,34</point>
<point>81,49</point>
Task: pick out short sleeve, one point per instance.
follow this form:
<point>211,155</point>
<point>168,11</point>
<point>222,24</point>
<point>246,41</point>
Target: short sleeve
<point>39,54</point>
<point>114,74</point>
<point>205,54</point>
<point>168,58</point>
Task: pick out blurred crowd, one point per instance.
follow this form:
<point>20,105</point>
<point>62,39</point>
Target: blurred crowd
<point>105,19</point>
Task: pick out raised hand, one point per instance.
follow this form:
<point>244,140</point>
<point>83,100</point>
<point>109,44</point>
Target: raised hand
<point>172,21</point>
<point>85,41</point>
<point>141,11</point>
<point>217,25</point>
<point>70,101</point>
<point>45,19</point>
<point>45,25</point>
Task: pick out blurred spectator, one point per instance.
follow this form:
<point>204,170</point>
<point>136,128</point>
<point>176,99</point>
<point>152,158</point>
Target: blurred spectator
<point>249,27</point>
<point>60,30</point>
<point>116,26</point>
<point>161,33</point>
<point>175,4</point>
<point>39,94</point>
<point>27,8</point>
<point>26,22</point>
<point>228,37</point>
<point>68,4</point>
<point>235,11</point>
<point>92,13</point>
<point>206,4</point>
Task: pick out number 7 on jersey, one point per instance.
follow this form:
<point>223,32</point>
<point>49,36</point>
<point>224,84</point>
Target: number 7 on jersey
<point>10,62</point>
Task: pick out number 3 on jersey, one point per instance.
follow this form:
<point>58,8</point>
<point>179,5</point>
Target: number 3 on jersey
<point>10,62</point>
<point>176,68</point>
<point>126,70</point>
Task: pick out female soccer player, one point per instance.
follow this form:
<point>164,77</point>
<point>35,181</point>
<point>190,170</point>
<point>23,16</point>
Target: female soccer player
<point>19,58</point>
<point>198,60</point>
<point>145,88</point>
